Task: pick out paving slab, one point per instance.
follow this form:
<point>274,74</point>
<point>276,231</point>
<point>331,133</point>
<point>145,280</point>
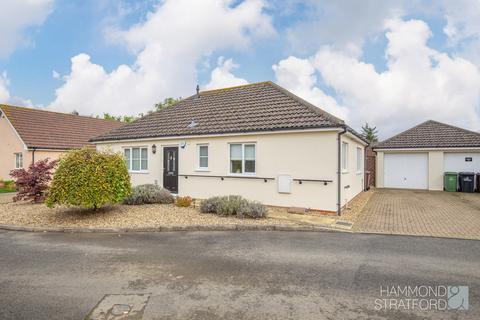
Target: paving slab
<point>424,213</point>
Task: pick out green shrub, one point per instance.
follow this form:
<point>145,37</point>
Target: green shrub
<point>90,179</point>
<point>233,206</point>
<point>252,209</point>
<point>229,205</point>
<point>149,193</point>
<point>9,184</point>
<point>210,205</point>
<point>184,201</point>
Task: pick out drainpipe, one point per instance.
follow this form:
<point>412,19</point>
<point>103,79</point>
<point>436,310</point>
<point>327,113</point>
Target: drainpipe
<point>339,172</point>
<point>33,155</point>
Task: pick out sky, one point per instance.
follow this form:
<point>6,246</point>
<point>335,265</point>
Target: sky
<point>392,64</point>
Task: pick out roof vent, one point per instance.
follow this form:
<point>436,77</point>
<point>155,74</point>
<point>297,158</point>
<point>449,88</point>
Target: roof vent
<point>198,91</point>
<point>192,124</point>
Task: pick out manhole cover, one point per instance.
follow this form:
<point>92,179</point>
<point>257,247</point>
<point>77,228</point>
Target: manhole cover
<point>121,309</point>
<point>120,306</point>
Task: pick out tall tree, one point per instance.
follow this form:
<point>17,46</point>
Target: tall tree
<point>370,133</point>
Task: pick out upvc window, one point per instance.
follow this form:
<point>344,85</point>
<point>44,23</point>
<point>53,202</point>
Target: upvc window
<point>359,160</point>
<point>18,160</point>
<point>136,159</point>
<point>242,158</point>
<point>203,157</point>
<point>344,156</point>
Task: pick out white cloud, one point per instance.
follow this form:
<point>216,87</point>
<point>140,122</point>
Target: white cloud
<point>168,46</point>
<point>420,83</point>
<point>15,17</point>
<point>344,23</point>
<point>222,75</point>
<point>55,75</point>
<point>6,97</point>
<point>298,75</point>
<point>4,83</point>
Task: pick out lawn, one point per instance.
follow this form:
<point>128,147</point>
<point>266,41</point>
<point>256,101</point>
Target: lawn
<point>6,190</point>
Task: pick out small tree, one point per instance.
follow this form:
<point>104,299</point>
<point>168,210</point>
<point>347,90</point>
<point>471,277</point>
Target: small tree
<point>370,134</point>
<point>33,182</point>
<point>90,179</point>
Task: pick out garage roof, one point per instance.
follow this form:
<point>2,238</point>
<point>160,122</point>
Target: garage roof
<point>432,134</point>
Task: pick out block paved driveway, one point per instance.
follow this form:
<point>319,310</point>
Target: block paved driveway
<point>429,213</point>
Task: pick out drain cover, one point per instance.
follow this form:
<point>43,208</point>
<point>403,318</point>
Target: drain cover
<point>121,309</point>
<point>120,306</point>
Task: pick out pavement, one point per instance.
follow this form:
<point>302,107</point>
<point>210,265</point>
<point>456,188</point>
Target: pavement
<point>226,275</point>
<point>424,213</point>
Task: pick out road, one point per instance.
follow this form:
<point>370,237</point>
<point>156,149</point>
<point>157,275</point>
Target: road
<point>228,275</point>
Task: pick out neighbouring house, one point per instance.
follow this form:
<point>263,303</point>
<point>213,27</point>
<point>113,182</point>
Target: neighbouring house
<point>258,140</point>
<point>418,157</point>
<point>29,134</point>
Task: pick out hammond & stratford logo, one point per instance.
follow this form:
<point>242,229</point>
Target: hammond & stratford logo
<point>423,298</point>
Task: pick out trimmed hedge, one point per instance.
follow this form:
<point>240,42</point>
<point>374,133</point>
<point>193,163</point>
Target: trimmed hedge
<point>234,206</point>
<point>147,194</point>
<point>90,179</point>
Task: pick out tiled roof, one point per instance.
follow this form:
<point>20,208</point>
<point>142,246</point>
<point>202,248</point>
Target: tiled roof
<point>262,106</point>
<point>53,130</point>
<point>432,134</point>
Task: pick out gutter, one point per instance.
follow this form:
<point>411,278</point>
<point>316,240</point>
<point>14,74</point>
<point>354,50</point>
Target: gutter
<point>339,171</point>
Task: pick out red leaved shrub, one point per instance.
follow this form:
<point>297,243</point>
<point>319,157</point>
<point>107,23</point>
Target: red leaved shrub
<point>33,182</point>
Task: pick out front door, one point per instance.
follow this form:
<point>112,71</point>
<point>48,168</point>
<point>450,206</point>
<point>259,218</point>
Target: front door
<point>170,169</point>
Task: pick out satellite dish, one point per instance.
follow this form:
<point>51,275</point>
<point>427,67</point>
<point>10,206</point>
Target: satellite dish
<point>183,144</point>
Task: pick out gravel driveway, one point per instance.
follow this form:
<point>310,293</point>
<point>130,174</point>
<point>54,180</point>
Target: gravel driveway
<point>428,213</point>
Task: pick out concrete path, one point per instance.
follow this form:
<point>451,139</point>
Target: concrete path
<point>428,213</point>
<point>226,275</point>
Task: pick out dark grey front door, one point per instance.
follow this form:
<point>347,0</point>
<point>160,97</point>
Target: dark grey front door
<point>170,169</point>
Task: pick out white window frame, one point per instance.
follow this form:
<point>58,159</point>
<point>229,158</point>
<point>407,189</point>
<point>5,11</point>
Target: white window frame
<point>130,169</point>
<point>243,144</point>
<point>359,160</point>
<point>199,167</point>
<point>18,160</point>
<point>345,157</point>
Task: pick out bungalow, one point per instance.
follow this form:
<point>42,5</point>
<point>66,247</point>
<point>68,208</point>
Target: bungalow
<point>418,157</point>
<point>258,140</point>
<point>29,135</point>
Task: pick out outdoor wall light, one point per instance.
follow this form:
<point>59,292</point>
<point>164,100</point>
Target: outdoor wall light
<point>154,149</point>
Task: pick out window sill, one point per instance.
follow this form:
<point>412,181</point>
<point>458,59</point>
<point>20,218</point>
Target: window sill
<point>242,174</point>
<point>138,172</point>
<point>202,170</point>
<point>344,172</point>
<point>359,172</point>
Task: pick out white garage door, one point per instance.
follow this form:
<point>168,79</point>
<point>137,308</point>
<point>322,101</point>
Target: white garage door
<point>462,162</point>
<point>406,170</point>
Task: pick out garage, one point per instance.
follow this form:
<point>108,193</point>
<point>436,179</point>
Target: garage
<point>419,157</point>
<point>461,162</point>
<point>406,170</point>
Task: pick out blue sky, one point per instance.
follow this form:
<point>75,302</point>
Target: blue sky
<point>387,63</point>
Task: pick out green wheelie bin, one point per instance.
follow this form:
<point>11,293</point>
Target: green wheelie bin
<point>450,181</point>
